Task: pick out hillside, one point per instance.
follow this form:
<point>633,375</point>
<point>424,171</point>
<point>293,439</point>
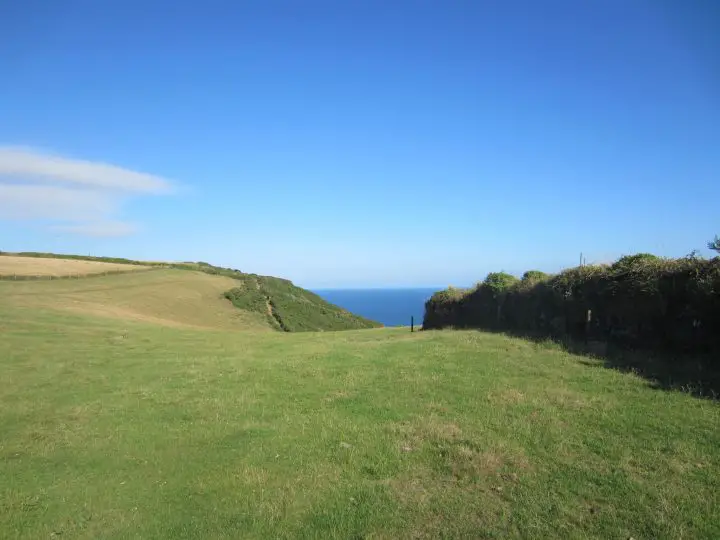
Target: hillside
<point>167,297</point>
<point>118,428</point>
<point>291,308</point>
<point>14,267</point>
<point>172,294</point>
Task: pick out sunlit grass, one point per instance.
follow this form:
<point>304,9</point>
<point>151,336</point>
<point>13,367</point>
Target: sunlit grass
<point>121,429</point>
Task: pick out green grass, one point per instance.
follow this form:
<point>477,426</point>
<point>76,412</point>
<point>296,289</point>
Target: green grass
<point>120,429</point>
<point>290,308</point>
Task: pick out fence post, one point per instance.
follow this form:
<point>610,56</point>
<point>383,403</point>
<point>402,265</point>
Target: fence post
<point>412,324</point>
<point>588,322</point>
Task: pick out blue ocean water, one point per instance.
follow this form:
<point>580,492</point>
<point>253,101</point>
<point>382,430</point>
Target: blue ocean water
<point>391,307</point>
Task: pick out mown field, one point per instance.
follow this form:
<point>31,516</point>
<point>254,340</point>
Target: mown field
<point>11,266</point>
<point>112,426</point>
<point>166,297</point>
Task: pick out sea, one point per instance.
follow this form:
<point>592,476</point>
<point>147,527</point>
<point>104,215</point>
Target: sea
<point>391,307</point>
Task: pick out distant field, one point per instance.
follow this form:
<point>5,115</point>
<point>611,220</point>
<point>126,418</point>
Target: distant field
<point>123,426</point>
<point>28,266</point>
<point>178,298</point>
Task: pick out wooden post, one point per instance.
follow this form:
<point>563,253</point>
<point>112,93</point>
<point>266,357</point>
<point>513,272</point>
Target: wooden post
<point>588,321</point>
<point>412,324</point>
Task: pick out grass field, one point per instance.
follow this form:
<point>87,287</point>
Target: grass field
<point>27,266</point>
<point>116,427</point>
<point>167,297</point>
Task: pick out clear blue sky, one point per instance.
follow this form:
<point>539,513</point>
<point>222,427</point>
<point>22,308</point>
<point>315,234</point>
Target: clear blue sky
<point>361,143</point>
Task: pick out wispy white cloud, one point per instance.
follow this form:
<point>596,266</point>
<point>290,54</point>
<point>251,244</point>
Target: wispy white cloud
<point>40,202</point>
<point>25,163</point>
<point>75,196</point>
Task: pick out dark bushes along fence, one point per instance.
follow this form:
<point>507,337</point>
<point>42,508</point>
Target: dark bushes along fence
<point>639,301</point>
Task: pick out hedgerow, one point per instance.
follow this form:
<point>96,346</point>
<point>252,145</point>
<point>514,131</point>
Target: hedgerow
<point>640,300</point>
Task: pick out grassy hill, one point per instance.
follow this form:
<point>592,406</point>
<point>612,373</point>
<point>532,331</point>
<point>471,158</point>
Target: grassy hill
<point>123,427</point>
<point>291,308</point>
<point>176,294</point>
<point>167,297</point>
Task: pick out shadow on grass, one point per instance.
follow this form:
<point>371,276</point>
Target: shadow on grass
<point>695,373</point>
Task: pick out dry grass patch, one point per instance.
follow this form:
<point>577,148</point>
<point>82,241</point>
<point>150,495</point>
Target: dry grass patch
<point>32,266</point>
<point>104,310</point>
<point>427,430</point>
<point>571,400</point>
<point>336,396</point>
<point>511,396</point>
<point>456,453</point>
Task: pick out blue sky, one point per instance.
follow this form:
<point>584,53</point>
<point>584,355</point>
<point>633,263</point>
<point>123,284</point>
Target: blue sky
<point>361,143</point>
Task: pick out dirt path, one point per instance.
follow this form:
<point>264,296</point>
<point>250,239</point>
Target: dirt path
<point>268,306</point>
<point>270,310</point>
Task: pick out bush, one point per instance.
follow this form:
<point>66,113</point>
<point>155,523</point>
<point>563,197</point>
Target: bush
<point>499,282</point>
<point>534,276</point>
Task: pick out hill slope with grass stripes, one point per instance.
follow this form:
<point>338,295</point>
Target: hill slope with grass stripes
<point>171,294</point>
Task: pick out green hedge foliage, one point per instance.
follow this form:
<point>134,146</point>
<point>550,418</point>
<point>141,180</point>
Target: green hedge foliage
<point>640,301</point>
